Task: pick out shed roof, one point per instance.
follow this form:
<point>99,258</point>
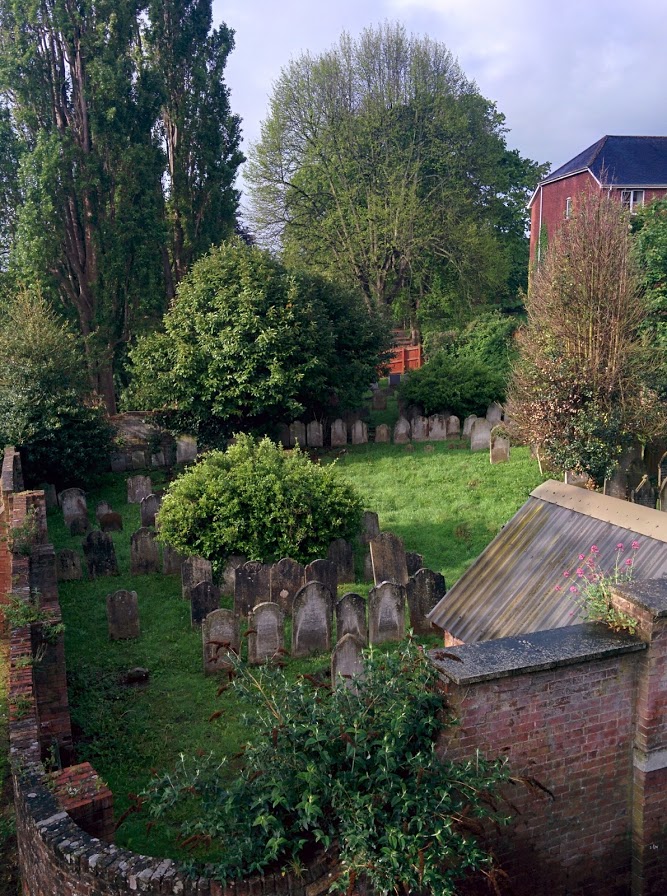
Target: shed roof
<point>510,589</point>
<point>621,161</point>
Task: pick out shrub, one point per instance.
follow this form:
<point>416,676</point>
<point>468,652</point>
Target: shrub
<point>255,499</point>
<point>463,386</point>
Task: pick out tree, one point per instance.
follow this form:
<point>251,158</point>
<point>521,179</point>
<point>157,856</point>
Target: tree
<point>580,391</point>
<point>247,344</point>
<point>381,163</point>
<point>44,401</point>
<point>649,227</point>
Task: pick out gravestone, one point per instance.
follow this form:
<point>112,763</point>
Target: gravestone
<point>284,435</point>
<point>388,558</point>
<point>144,554</point>
<point>311,620</point>
<point>171,561</point>
<point>221,641</point>
<point>347,662</point>
<point>579,480</point>
<point>286,577</point>
<point>229,572</point>
<point>480,435</point>
<point>351,617</point>
<point>102,509</point>
<point>118,463</point>
<point>494,413</point>
<point>413,561</point>
<point>338,433</point>
<point>138,488</point>
<point>424,590</point>
<point>324,571</point>
<point>499,449</point>
<point>401,431</point>
<point>370,526</point>
<point>111,522</point>
<point>368,567</point>
<point>68,566</point>
<point>79,525</point>
<point>100,554</point>
<point>453,427</point>
<point>186,449</point>
<point>467,425</point>
<point>341,553</point>
<point>419,428</point>
<point>437,428</point>
<point>379,401</point>
<point>382,434</point>
<point>50,496</point>
<point>138,460</point>
<point>193,571</point>
<point>386,613</point>
<point>359,433</point>
<point>204,599</point>
<point>315,434</point>
<point>73,504</point>
<point>252,585</point>
<point>123,615</point>
<point>412,411</point>
<point>149,507</point>
<point>297,434</point>
<point>266,636</point>
<point>643,493</point>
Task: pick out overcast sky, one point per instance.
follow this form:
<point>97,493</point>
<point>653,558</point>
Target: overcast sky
<point>563,72</point>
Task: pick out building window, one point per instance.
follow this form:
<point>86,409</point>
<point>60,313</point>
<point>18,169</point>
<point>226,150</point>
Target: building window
<point>568,207</point>
<point>632,199</point>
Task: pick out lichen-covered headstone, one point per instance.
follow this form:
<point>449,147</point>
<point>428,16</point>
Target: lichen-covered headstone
<point>186,449</point>
<point>480,435</point>
<point>342,554</point>
<point>221,640</point>
<point>386,613</point>
<point>149,507</point>
<point>68,566</point>
<point>499,449</point>
<point>98,549</point>
<point>324,571</point>
<point>424,590</point>
<point>252,585</point>
<point>138,488</point>
<point>494,413</point>
<point>315,434</point>
<point>437,428</point>
<point>382,434</point>
<point>286,577</point>
<point>123,615</point>
<point>419,428</point>
<point>347,662</point>
<point>467,425</point>
<point>204,599</point>
<point>402,431</point>
<point>144,553</point>
<point>453,427</point>
<point>359,433</point>
<point>311,620</point>
<point>388,558</point>
<point>351,617</point>
<point>297,434</point>
<point>171,561</point>
<point>229,572</point>
<point>193,571</point>
<point>338,433</point>
<point>266,636</point>
<point>370,526</point>
<point>73,504</point>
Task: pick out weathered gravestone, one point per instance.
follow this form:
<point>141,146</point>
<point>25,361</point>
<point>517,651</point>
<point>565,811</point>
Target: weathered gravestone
<point>401,431</point>
<point>100,554</point>
<point>186,449</point>
<point>437,428</point>
<point>494,413</point>
<point>480,435</point>
<point>149,508</point>
<point>252,585</point>
<point>50,496</point>
<point>386,613</point>
<point>144,554</point>
<point>370,526</point>
<point>266,637</point>
<point>138,460</point>
<point>341,553</point>
<point>467,425</point>
<point>643,493</point>
<point>359,433</point>
<point>338,434</point>
<point>193,571</point>
<point>351,617</point>
<point>285,578</point>
<point>102,509</point>
<point>68,566</point>
<point>221,640</point>
<point>453,427</point>
<point>324,571</point>
<point>419,428</point>
<point>171,561</point>
<point>424,590</point>
<point>297,434</point>
<point>413,561</point>
<point>315,434</point>
<point>499,449</point>
<point>111,522</point>
<point>138,488</point>
<point>229,572</point>
<point>382,433</point>
<point>388,558</point>
<point>204,599</point>
<point>73,504</point>
<point>123,615</point>
<point>311,620</point>
<point>347,662</point>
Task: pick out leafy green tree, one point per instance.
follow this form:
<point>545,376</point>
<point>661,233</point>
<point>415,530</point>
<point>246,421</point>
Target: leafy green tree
<point>44,407</point>
<point>247,344</point>
<point>379,162</point>
<point>649,227</point>
<point>354,770</point>
<point>255,499</point>
<point>462,386</point>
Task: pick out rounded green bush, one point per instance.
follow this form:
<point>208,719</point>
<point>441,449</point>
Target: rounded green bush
<point>463,386</point>
<point>258,500</point>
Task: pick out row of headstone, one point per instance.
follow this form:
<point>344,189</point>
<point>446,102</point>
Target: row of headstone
<point>100,556</point>
<point>184,451</point>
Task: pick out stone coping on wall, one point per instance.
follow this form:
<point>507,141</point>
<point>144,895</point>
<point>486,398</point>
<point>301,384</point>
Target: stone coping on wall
<point>649,594</point>
<point>538,651</point>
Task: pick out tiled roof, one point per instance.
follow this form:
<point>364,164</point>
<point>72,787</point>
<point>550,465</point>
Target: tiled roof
<point>622,161</point>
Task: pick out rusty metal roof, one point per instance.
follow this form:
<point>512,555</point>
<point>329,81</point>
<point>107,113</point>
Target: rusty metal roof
<point>510,589</point>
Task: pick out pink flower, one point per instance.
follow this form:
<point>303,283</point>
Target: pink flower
<point>620,546</point>
<point>566,573</point>
<point>558,588</point>
<point>628,562</point>
<point>580,572</point>
<point>595,549</point>
<point>582,557</point>
<point>573,589</point>
<point>635,545</point>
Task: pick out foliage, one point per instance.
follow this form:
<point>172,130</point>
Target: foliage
<point>257,500</point>
<point>461,385</point>
<point>649,227</point>
<point>354,769</point>
<point>19,612</point>
<point>594,590</point>
<point>248,343</point>
<point>580,391</point>
<point>43,394</point>
<point>379,162</point>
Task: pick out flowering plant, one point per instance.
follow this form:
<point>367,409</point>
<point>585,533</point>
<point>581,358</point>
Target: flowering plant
<point>593,586</point>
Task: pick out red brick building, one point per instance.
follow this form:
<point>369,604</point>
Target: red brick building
<point>632,168</point>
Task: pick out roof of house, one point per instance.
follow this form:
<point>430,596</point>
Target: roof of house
<point>510,589</point>
<point>621,161</point>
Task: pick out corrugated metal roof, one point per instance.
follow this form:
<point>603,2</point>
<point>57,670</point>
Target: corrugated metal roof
<point>510,588</point>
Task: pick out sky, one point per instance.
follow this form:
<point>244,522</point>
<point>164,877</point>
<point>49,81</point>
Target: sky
<point>563,72</point>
